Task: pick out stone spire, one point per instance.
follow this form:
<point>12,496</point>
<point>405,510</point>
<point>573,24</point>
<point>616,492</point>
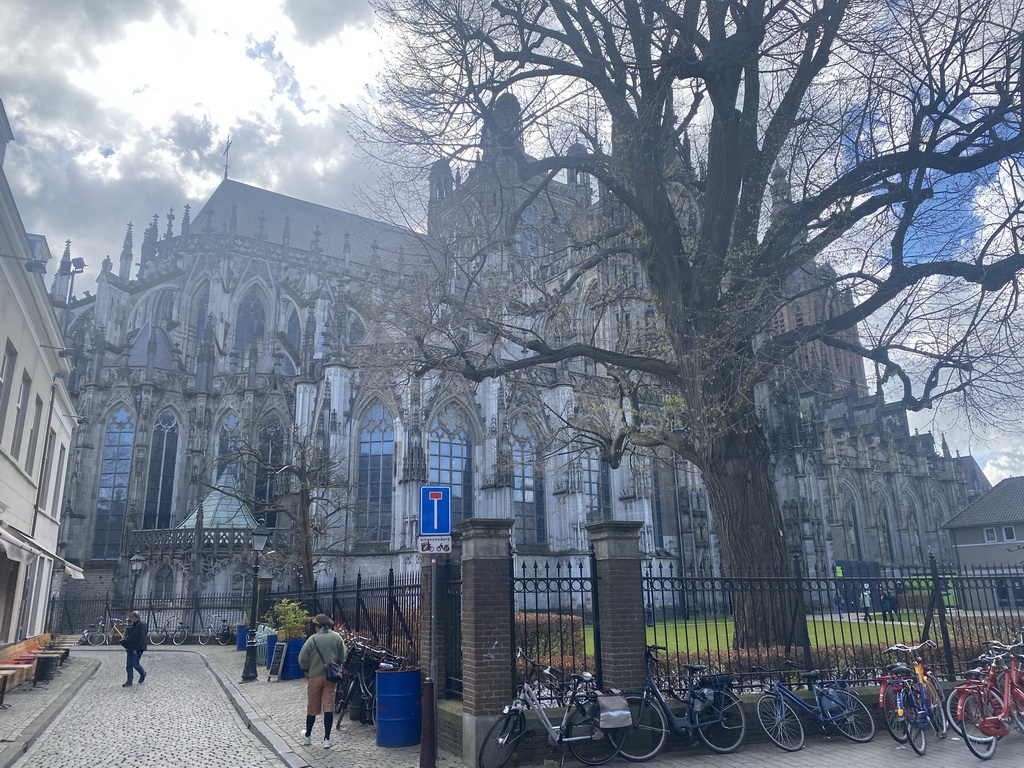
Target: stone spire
<point>125,267</point>
<point>186,220</point>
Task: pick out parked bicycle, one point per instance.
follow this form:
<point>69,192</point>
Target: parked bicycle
<point>359,677</point>
<point>912,699</point>
<point>710,711</point>
<point>223,634</point>
<point>101,634</point>
<point>178,636</point>
<point>580,729</point>
<point>985,707</point>
<point>834,705</point>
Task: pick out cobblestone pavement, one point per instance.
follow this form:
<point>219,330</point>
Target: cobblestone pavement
<point>180,717</point>
<point>193,711</point>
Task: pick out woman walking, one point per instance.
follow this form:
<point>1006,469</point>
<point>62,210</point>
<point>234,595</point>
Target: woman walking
<point>322,648</point>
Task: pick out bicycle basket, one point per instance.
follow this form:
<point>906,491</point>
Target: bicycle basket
<point>718,681</point>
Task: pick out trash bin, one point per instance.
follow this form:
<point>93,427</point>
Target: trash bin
<point>46,666</point>
<point>398,708</point>
<point>241,631</point>
<point>290,669</point>
<point>271,642</point>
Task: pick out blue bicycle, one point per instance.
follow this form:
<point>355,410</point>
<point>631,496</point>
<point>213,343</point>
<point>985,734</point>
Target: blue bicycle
<point>834,705</point>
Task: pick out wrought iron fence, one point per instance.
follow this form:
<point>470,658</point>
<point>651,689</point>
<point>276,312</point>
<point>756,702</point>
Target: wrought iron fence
<point>452,631</point>
<point>553,614</point>
<point>384,610</point>
<point>72,616</point>
<point>841,624</point>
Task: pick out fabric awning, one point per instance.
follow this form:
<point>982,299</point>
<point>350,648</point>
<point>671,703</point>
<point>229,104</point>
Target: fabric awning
<point>24,548</point>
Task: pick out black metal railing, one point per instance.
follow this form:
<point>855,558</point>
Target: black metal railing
<point>452,631</point>
<point>553,613</point>
<point>844,623</point>
<point>72,616</point>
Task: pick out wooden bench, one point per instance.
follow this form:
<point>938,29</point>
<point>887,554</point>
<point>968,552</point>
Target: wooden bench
<point>18,660</point>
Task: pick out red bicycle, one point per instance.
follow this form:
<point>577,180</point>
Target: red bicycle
<point>986,707</point>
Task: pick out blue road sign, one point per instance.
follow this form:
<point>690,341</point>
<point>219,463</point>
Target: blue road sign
<point>435,510</point>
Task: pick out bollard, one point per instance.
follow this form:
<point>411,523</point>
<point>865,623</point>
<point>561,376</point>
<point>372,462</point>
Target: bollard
<point>428,731</point>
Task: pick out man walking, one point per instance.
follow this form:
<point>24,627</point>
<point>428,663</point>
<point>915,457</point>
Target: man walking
<point>134,643</point>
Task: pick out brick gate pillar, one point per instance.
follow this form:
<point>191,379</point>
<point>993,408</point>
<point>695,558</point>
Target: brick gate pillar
<point>486,627</point>
<point>620,609</point>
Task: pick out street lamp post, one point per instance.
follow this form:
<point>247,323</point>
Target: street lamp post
<point>137,563</point>
<point>260,535</point>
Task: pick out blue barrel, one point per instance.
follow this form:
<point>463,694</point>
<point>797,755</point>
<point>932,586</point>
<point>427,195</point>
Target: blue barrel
<point>241,632</point>
<point>398,708</point>
<point>290,669</point>
<point>271,642</point>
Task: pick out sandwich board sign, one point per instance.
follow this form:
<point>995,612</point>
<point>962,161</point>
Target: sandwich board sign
<point>435,519</point>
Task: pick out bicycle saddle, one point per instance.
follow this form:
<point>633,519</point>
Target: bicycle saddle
<point>695,667</point>
<point>582,677</point>
<point>814,674</point>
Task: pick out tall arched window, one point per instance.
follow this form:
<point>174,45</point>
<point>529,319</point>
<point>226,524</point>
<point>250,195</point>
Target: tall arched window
<point>294,331</point>
<point>228,444</point>
<point>527,486</point>
<point>451,461</point>
<point>268,480</point>
<point>376,475</point>
<point>163,583</point>
<point>112,498</point>
<point>596,486</point>
<point>163,458</point>
<point>249,322</point>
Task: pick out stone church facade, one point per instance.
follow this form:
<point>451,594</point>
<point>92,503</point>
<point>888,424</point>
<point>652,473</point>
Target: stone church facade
<point>229,374</point>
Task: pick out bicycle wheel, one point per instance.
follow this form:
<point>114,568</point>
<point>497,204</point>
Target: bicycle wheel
<point>180,636</point>
<point>916,735</point>
<point>855,721</point>
<point>501,740</point>
<point>722,723</point>
<point>97,637</point>
<point>895,723</point>
<point>936,712</point>
<point>600,746</point>
<point>780,722</point>
<point>346,690</point>
<point>951,706</point>
<point>204,635</point>
<point>157,636</point>
<point>974,707</point>
<point>224,636</point>
<point>649,731</point>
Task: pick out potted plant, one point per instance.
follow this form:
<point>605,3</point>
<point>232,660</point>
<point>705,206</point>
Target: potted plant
<point>292,621</point>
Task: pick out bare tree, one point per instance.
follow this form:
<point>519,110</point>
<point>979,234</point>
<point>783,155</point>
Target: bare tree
<point>733,145</point>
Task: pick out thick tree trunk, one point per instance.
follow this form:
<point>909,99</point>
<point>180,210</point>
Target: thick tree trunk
<point>768,605</point>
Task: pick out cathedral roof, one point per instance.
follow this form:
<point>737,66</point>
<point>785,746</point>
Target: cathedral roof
<point>1003,504</point>
<point>138,352</point>
<point>222,508</point>
<point>370,243</point>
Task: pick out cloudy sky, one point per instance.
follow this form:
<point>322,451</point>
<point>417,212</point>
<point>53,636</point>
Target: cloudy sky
<point>121,108</point>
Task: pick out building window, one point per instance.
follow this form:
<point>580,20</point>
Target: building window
<point>33,435</point>
<point>269,480</point>
<point>59,477</point>
<point>249,324</point>
<point>990,535</point>
<point>238,583</point>
<point>20,414</point>
<point>1008,533</point>
<point>451,461</point>
<point>113,486</point>
<point>596,487</point>
<point>527,486</point>
<point>44,471</point>
<point>294,332</point>
<point>163,460</point>
<point>163,583</point>
<point>376,475</point>
<point>7,364</point>
<point>202,310</point>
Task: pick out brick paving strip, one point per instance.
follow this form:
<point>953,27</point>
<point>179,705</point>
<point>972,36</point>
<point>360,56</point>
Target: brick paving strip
<point>274,712</point>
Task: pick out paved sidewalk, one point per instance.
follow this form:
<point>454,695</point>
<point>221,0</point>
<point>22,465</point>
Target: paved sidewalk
<point>194,711</point>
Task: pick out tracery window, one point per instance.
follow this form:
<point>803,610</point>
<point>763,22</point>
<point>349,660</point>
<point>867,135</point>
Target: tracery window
<point>249,323</point>
<point>294,331</point>
<point>451,461</point>
<point>269,481</point>
<point>115,468</point>
<point>527,486</point>
<point>596,478</point>
<point>163,458</point>
<point>202,310</point>
<point>376,475</point>
<point>163,583</point>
